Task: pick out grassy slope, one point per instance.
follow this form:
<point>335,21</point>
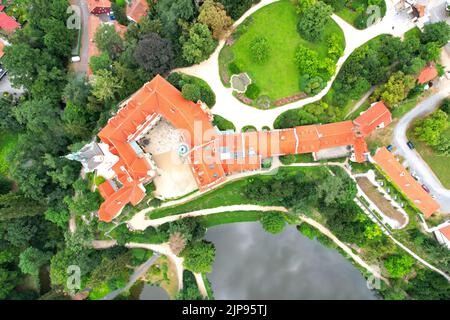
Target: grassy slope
<point>7,144</point>
<point>437,163</point>
<point>227,195</point>
<point>279,77</point>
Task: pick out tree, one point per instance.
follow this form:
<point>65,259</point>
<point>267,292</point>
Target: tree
<point>430,129</point>
<point>119,13</point>
<point>313,21</point>
<point>438,32</point>
<point>335,47</point>
<point>108,40</point>
<point>154,54</point>
<point>428,285</point>
<point>171,11</point>
<point>443,146</point>
<point>273,222</point>
<point>14,205</point>
<point>199,45</point>
<point>58,38</point>
<point>213,15</point>
<point>59,217</point>
<point>307,61</point>
<point>336,189</point>
<point>8,281</point>
<point>105,86</point>
<point>399,265</point>
<point>395,90</point>
<point>76,90</point>
<point>199,256</point>
<point>19,232</point>
<point>259,49</point>
<point>236,8</point>
<point>100,62</point>
<point>303,5</point>
<point>32,259</point>
<point>430,51</point>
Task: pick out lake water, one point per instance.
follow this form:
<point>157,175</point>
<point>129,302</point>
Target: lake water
<point>252,264</point>
<point>150,292</point>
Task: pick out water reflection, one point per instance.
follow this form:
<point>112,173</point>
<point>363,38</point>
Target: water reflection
<point>150,292</point>
<point>252,264</point>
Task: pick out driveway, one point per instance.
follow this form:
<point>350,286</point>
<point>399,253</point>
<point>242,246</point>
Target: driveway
<point>83,65</point>
<point>413,159</point>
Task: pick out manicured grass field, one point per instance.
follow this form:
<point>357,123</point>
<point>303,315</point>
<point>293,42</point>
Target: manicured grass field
<point>279,76</point>
<point>438,163</point>
<point>229,217</point>
<point>7,144</point>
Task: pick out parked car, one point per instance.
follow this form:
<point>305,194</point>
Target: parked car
<point>2,72</point>
<point>390,147</point>
<point>410,145</point>
<point>425,188</point>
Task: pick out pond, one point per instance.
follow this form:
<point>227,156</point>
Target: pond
<point>252,264</point>
<point>150,292</point>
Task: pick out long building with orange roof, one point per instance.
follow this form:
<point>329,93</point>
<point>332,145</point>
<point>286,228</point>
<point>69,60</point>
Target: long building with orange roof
<point>211,154</point>
<point>407,184</point>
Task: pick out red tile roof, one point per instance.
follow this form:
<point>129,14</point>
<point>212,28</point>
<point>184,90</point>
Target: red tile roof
<point>99,6</point>
<point>427,74</point>
<point>445,232</point>
<point>137,9</point>
<point>376,116</point>
<point>212,155</point>
<point>407,184</point>
<point>360,149</point>
<point>8,23</point>
<point>2,46</point>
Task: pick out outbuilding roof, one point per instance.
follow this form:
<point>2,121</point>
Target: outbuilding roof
<point>407,184</point>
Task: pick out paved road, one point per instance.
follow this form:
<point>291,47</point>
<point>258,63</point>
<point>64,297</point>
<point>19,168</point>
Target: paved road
<point>83,64</point>
<point>135,277</point>
<point>413,159</point>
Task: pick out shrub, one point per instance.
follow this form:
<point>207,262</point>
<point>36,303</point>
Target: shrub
<point>288,159</point>
<point>223,124</point>
<point>266,163</point>
<point>249,129</point>
<point>259,49</point>
<point>233,68</point>
<point>273,222</point>
<point>399,265</point>
<point>252,91</point>
<point>191,92</point>
<point>361,21</point>
<point>312,85</point>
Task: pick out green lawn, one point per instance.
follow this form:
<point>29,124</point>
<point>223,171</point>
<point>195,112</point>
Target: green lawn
<point>279,76</point>
<point>229,217</point>
<point>437,163</point>
<point>7,144</point>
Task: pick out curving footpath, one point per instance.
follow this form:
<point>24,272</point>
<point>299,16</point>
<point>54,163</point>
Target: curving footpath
<point>241,114</point>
